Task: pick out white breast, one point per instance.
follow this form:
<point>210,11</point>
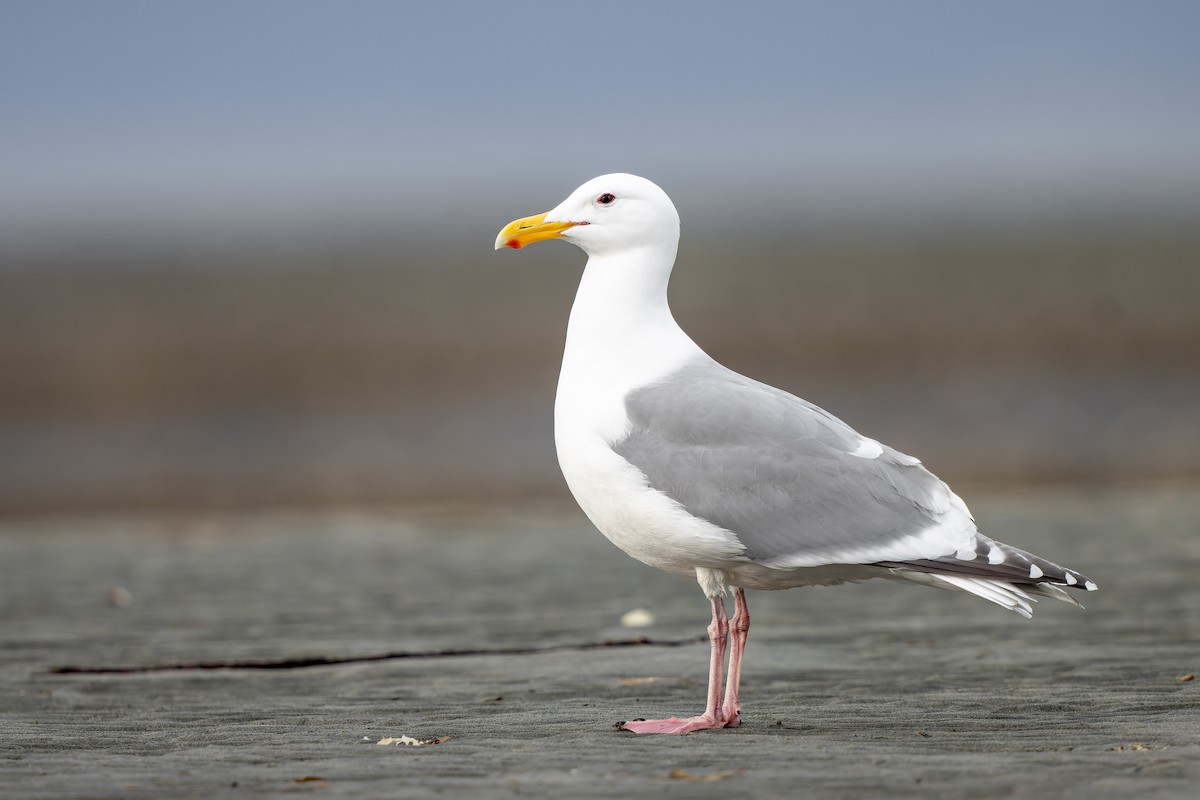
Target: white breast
<point>615,345</point>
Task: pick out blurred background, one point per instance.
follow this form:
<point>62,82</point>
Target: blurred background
<point>246,248</point>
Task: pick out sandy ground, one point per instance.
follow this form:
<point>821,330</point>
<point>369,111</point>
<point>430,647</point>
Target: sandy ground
<point>865,691</point>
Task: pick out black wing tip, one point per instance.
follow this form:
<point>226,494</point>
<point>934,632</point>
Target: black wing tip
<point>1043,573</point>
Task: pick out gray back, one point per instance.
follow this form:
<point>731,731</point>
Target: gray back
<point>772,468</point>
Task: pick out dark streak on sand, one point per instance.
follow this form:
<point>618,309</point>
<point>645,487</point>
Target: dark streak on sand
<point>303,663</point>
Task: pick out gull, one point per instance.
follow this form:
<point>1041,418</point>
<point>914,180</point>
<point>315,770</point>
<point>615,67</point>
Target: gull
<point>694,469</point>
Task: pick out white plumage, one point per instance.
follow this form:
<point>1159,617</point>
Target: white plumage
<point>696,470</point>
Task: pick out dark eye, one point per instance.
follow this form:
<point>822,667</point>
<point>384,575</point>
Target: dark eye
<point>606,199</point>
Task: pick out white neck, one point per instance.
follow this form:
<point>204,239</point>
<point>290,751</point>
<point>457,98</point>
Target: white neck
<point>621,335</point>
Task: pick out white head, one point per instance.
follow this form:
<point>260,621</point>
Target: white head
<point>612,213</point>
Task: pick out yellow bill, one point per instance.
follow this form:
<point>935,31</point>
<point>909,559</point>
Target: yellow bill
<point>528,230</point>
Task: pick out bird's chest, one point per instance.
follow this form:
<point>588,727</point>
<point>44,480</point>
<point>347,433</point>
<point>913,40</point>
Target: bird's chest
<point>616,497</point>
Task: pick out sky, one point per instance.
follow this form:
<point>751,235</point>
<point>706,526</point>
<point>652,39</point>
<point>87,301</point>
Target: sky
<point>265,116</point>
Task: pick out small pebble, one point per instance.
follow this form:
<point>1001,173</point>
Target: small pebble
<point>119,597</point>
<point>638,618</point>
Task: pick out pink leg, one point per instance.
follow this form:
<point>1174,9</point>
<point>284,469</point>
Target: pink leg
<point>739,629</point>
<point>718,632</point>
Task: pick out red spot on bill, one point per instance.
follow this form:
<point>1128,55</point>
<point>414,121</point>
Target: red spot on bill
<point>515,244</point>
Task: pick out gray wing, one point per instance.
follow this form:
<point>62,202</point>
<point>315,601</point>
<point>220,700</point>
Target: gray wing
<point>777,471</point>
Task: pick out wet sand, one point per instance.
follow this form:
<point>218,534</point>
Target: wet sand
<point>865,691</point>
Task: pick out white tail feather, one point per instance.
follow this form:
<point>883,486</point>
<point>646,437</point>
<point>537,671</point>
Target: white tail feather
<point>999,592</point>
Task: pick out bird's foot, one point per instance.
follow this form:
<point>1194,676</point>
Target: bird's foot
<point>704,722</point>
